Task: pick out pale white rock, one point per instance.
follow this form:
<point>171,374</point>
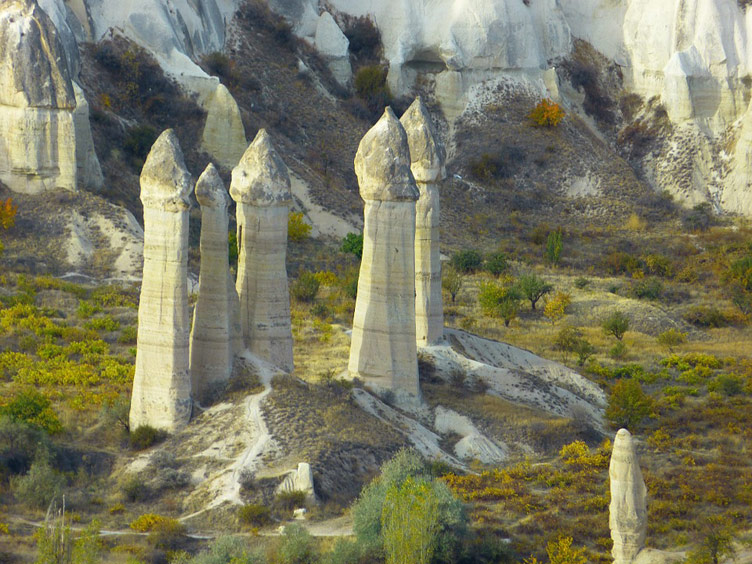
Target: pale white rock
<point>299,480</point>
<point>59,14</point>
<point>37,102</point>
<point>383,351</point>
<point>162,383</point>
<point>333,47</point>
<point>427,165</point>
<point>87,163</point>
<point>261,187</point>
<point>211,335</point>
<point>473,445</point>
<point>224,134</point>
<point>628,509</point>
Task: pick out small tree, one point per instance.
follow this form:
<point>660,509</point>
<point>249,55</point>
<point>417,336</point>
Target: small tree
<point>533,288</point>
<point>547,113</point>
<point>671,339</point>
<point>628,406</point>
<point>499,300</point>
<point>554,245</point>
<point>409,521</point>
<point>297,229</point>
<point>717,543</point>
<point>466,261</point>
<point>451,281</point>
<point>557,306</point>
<point>616,324</point>
<point>353,244</point>
<point>497,263</point>
<point>306,287</point>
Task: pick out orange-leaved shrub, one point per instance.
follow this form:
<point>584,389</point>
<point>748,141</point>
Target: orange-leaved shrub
<point>547,113</point>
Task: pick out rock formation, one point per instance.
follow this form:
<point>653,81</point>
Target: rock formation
<point>37,102</point>
<point>627,513</point>
<point>300,480</point>
<point>427,155</point>
<point>211,347</point>
<point>88,170</point>
<point>224,135</point>
<point>162,384</point>
<point>261,187</point>
<point>383,351</point>
<point>333,47</point>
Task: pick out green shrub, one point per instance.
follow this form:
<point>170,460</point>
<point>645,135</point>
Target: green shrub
<point>581,282</point>
<point>16,441</point>
<point>346,551</point>
<point>451,281</point>
<point>306,287</point>
<point>254,514</point>
<point>138,141</point>
<point>297,229</point>
<point>353,244</point>
<point>87,309</point>
<point>364,37</point>
<point>134,489</point>
<point>290,500</point>
<point>106,323</point>
<point>145,436</point>
<point>618,351</point>
<point>647,289</point>
<point>297,546</point>
<point>40,485</point>
<point>554,246</point>
<point>727,384</point>
<point>570,340</point>
<point>232,248</point>
<point>31,407</point>
<point>498,300</point>
<point>229,550</point>
<point>706,316</point>
<point>466,261</point>
<point>496,263</point>
<point>628,405</point>
<point>370,85</point>
<point>533,288</point>
<point>128,336</point>
<point>672,338</point>
<point>616,324</point>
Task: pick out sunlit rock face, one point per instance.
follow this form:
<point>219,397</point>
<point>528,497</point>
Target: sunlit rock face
<point>261,187</point>
<point>427,164</point>
<point>161,394</point>
<point>211,335</point>
<point>628,519</point>
<point>333,46</point>
<point>383,351</point>
<point>37,103</point>
<point>224,134</point>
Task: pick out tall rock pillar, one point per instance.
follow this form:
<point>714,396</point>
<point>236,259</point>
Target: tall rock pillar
<point>211,336</point>
<point>261,187</point>
<point>383,350</point>
<point>427,155</point>
<point>162,384</point>
<point>628,510</point>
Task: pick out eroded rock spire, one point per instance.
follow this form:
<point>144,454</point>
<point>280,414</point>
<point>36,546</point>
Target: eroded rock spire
<point>261,187</point>
<point>211,337</point>
<point>628,510</point>
<point>427,164</point>
<point>162,385</point>
<point>383,350</point>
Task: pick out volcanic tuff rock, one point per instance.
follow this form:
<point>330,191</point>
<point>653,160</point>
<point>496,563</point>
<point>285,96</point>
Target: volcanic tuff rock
<point>333,47</point>
<point>89,171</point>
<point>427,155</point>
<point>224,134</point>
<point>37,131</point>
<point>383,350</point>
<point>211,336</point>
<point>261,187</point>
<point>627,513</point>
<point>162,383</point>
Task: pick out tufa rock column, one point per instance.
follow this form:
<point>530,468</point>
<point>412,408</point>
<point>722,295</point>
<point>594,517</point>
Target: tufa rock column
<point>211,336</point>
<point>162,384</point>
<point>427,155</point>
<point>628,512</point>
<point>224,136</point>
<point>261,188</point>
<point>383,350</point>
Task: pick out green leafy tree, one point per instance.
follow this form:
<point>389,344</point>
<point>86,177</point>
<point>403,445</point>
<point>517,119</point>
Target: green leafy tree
<point>738,280</point>
<point>409,521</point>
<point>353,244</point>
<point>298,546</point>
<point>41,484</point>
<point>533,288</point>
<point>499,300</point>
<point>717,543</point>
<point>671,339</point>
<point>497,263</point>
<point>616,324</point>
<point>466,261</point>
<point>628,405</point>
<point>32,407</point>
<point>451,281</point>
<point>554,246</point>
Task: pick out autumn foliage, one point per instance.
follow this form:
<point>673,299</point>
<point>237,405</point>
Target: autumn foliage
<point>7,213</point>
<point>547,113</point>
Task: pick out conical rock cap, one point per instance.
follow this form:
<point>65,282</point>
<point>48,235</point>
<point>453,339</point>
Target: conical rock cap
<point>210,190</point>
<point>165,180</point>
<point>426,149</point>
<point>261,177</point>
<point>382,162</point>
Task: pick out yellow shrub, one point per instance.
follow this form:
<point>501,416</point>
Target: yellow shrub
<point>547,113</point>
<point>151,521</point>
<point>297,229</point>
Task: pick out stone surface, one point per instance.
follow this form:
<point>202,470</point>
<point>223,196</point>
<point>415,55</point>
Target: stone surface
<point>628,512</point>
<point>473,445</point>
<point>37,101</point>
<point>300,480</point>
<point>211,349</point>
<point>427,155</point>
<point>87,164</point>
<point>333,47</point>
<point>261,187</point>
<point>383,351</point>
<point>224,135</point>
<point>162,384</point>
